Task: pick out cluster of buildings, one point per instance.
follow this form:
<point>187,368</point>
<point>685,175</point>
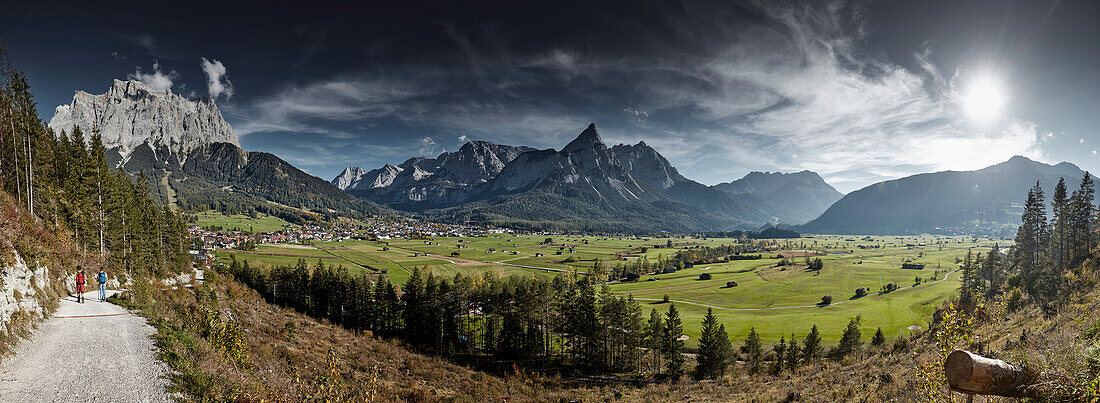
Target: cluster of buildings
<point>220,239</point>
<point>392,229</point>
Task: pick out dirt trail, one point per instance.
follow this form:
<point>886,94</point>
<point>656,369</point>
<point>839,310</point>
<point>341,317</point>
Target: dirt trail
<point>95,351</point>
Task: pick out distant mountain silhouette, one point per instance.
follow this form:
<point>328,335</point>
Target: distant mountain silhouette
<point>585,185</point>
<point>792,198</point>
<point>987,200</point>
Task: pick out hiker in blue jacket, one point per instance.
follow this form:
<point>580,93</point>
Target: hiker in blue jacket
<point>102,278</point>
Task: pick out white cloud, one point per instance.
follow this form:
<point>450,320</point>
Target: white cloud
<point>217,83</point>
<point>463,138</point>
<point>1082,141</point>
<point>427,146</point>
<point>806,88</point>
<point>156,80</point>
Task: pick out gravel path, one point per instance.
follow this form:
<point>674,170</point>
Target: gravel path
<point>95,351</point>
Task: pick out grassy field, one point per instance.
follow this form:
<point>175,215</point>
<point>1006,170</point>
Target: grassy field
<point>776,300</point>
<point>263,223</point>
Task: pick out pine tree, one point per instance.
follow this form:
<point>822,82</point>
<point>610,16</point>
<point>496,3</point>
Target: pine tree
<point>674,347</point>
<point>714,349</point>
<point>879,338</point>
<point>754,351</point>
<point>655,341</point>
<point>968,286</point>
<point>1083,210</point>
<point>780,350</point>
<point>811,346</point>
<point>1032,238</point>
<point>991,270</point>
<point>794,353</point>
<point>850,341</point>
<point>1061,225</point>
<point>413,301</point>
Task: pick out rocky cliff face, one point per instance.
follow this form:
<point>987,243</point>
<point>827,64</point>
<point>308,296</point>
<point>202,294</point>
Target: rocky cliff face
<point>585,162</point>
<point>348,178</point>
<point>647,165</point>
<point>22,289</point>
<point>130,114</point>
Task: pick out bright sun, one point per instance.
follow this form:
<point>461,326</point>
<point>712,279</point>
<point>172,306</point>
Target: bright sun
<point>983,99</point>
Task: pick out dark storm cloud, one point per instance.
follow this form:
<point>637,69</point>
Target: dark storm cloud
<point>718,87</point>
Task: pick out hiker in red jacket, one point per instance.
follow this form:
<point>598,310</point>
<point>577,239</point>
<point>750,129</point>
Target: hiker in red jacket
<point>80,285</point>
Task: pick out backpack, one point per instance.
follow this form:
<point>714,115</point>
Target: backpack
<point>80,278</point>
<point>102,277</point>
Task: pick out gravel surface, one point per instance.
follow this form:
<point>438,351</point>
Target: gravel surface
<point>71,358</point>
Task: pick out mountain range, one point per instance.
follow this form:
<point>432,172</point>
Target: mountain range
<point>987,200</point>
<point>585,185</point>
<point>192,156</point>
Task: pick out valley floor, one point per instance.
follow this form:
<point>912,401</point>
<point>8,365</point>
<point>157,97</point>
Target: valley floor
<point>91,351</point>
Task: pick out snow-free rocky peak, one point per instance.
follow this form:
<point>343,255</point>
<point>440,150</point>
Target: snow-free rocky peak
<point>348,177</point>
<point>588,139</point>
<point>130,114</point>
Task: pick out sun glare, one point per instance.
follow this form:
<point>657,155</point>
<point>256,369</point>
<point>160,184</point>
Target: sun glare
<point>983,99</point>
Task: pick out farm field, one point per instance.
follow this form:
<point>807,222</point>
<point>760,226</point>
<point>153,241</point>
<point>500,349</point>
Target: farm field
<point>776,300</point>
<point>263,223</point>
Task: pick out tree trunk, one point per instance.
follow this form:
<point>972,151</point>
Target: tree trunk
<point>973,374</point>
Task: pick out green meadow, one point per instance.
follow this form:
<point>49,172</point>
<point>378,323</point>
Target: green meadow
<point>776,300</point>
<point>262,223</point>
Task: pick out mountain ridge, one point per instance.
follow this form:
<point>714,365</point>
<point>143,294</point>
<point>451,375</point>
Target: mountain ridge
<point>984,200</point>
<point>612,177</point>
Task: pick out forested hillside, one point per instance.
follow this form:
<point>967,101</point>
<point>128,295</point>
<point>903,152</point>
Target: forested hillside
<point>63,209</point>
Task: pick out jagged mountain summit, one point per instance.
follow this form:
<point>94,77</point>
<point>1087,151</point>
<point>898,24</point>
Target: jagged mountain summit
<point>791,197</point>
<point>987,200</point>
<point>584,186</point>
<point>192,156</point>
<point>420,182</point>
<point>586,179</point>
<point>130,114</point>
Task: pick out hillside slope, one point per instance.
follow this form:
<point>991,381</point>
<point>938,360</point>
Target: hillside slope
<point>985,200</point>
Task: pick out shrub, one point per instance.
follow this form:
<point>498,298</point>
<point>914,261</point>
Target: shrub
<point>666,298</point>
<point>1015,301</point>
<point>704,276</point>
<point>860,292</point>
<point>900,344</point>
<point>826,300</point>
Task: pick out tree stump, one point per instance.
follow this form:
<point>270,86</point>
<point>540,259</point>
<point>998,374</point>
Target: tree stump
<point>973,374</point>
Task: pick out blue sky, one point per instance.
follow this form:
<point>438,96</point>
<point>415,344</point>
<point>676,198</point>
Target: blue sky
<point>857,91</point>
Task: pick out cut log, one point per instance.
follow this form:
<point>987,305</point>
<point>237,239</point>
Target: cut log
<point>973,374</point>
